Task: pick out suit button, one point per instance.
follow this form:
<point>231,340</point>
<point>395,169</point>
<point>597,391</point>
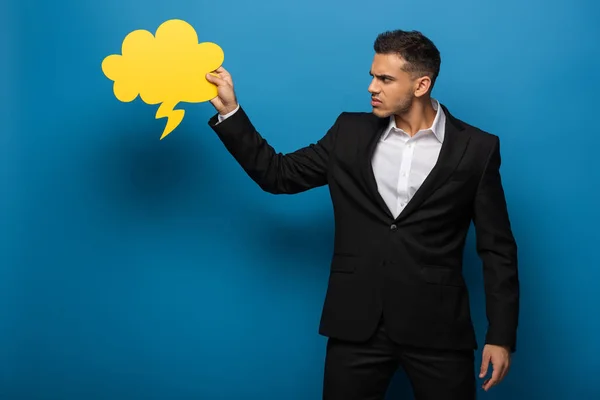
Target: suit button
<point>393,227</point>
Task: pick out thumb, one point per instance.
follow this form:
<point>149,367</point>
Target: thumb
<point>485,363</point>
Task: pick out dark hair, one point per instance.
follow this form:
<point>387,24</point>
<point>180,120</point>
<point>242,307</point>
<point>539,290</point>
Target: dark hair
<point>421,56</point>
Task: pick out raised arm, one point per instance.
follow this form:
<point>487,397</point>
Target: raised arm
<point>274,172</point>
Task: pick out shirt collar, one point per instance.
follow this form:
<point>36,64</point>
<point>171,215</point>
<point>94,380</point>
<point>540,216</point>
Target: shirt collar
<point>438,126</point>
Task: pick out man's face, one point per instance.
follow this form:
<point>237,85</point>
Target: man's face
<point>392,89</point>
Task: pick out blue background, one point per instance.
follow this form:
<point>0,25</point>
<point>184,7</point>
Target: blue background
<point>133,268</point>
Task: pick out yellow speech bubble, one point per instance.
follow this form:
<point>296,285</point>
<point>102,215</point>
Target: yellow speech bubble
<point>167,68</point>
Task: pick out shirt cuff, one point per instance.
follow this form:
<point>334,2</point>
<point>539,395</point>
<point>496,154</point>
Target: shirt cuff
<point>229,114</point>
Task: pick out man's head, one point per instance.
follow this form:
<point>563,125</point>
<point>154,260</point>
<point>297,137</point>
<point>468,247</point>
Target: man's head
<point>405,67</point>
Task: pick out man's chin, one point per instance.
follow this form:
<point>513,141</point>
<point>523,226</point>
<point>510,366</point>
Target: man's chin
<point>380,113</point>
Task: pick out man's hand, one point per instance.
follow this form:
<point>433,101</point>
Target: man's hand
<point>226,101</point>
<point>499,356</point>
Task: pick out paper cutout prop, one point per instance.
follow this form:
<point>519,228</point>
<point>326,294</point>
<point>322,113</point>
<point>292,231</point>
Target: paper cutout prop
<point>168,68</point>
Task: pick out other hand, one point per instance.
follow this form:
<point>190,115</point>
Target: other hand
<point>226,101</point>
<point>499,357</point>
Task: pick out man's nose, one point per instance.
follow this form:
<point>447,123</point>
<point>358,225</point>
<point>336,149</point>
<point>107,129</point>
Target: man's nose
<point>373,88</point>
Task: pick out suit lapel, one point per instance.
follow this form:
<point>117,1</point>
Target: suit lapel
<point>453,148</point>
<point>366,167</point>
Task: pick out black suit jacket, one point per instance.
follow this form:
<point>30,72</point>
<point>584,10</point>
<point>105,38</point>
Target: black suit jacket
<point>408,269</point>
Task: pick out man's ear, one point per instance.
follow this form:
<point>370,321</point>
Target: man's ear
<point>422,86</point>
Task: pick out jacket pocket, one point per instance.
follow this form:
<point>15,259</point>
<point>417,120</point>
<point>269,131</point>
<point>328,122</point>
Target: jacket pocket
<point>344,263</point>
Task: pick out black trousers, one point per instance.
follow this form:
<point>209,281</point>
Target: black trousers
<point>363,371</point>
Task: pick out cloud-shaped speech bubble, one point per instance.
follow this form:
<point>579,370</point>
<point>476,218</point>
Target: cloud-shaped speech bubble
<point>168,68</point>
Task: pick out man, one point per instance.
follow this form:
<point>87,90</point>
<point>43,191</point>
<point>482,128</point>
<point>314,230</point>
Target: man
<point>406,180</point>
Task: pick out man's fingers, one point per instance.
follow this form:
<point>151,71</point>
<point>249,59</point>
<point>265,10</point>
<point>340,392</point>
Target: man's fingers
<point>497,376</point>
<point>493,380</point>
<point>485,363</point>
<point>215,79</point>
<point>224,74</point>
<point>505,369</point>
<point>220,79</point>
<point>225,98</point>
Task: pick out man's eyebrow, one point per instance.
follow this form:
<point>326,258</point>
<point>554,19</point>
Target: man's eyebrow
<point>383,76</point>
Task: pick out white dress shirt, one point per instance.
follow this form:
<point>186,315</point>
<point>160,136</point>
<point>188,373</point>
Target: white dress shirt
<point>400,162</point>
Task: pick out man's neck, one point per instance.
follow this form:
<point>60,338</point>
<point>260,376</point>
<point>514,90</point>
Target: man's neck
<point>420,116</point>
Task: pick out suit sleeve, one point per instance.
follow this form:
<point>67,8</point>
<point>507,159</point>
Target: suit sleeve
<point>498,250</point>
<point>274,172</point>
